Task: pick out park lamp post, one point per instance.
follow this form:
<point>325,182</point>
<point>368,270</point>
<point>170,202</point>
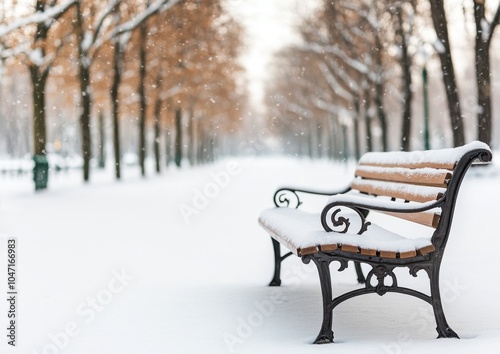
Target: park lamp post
<point>345,121</point>
<point>424,56</point>
<point>425,85</point>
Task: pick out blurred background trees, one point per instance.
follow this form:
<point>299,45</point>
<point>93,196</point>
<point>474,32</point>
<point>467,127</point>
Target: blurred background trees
<point>164,68</point>
<point>161,81</point>
<point>363,65</point>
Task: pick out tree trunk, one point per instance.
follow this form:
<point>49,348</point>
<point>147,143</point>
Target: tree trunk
<point>368,119</point>
<point>85,119</point>
<point>310,144</point>
<point>117,71</point>
<point>407,82</point>
<point>39,81</point>
<point>168,148</point>
<point>142,98</point>
<point>201,145</point>
<point>319,139</point>
<point>332,135</point>
<point>192,141</point>
<point>357,112</point>
<point>211,148</point>
<point>345,149</point>
<point>299,144</point>
<point>379,101</point>
<point>102,142</point>
<point>483,79</point>
<point>379,93</point>
<point>157,115</point>
<point>449,80</point>
<point>178,137</point>
<point>85,96</point>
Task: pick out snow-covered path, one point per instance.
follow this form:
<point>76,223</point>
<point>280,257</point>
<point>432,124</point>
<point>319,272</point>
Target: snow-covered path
<point>177,264</point>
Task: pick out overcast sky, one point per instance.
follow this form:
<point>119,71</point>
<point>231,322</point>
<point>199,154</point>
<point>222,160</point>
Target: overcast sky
<point>270,25</point>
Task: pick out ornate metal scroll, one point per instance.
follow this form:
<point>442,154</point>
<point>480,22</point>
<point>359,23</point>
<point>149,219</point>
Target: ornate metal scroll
<point>286,198</point>
<point>332,221</point>
<point>381,272</point>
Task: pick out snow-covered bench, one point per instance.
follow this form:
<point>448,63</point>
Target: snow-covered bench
<point>419,186</point>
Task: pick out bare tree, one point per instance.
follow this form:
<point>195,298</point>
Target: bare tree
<point>484,33</point>
<point>39,53</point>
<point>443,49</point>
<point>402,37</point>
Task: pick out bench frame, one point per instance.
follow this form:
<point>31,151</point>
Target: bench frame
<point>381,268</point>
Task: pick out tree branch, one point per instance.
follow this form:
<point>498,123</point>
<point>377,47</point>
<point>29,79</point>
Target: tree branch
<point>157,6</point>
<point>53,13</point>
<point>100,20</point>
<point>129,26</point>
<point>494,23</point>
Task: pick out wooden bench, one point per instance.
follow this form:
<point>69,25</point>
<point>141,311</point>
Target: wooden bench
<point>419,186</point>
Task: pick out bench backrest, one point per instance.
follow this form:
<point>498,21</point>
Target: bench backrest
<point>419,176</point>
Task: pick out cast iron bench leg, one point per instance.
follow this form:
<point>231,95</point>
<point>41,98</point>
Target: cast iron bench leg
<point>443,329</point>
<point>325,334</point>
<point>276,281</point>
<point>359,273</point>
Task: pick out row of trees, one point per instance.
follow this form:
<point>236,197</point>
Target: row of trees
<point>170,65</point>
<point>354,75</point>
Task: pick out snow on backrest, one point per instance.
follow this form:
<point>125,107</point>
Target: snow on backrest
<point>440,158</point>
<point>417,176</point>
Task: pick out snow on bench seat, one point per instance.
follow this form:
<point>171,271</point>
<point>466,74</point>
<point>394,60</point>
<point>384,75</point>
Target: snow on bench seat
<point>401,184</point>
<point>302,233</point>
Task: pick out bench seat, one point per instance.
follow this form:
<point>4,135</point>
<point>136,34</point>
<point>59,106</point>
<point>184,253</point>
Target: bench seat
<point>302,233</point>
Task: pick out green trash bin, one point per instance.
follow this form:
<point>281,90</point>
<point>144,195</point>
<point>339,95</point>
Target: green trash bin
<point>40,171</point>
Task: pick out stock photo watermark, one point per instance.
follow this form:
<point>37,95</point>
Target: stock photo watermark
<point>423,318</point>
<point>86,312</point>
<point>202,197</point>
<point>12,299</point>
<point>264,309</point>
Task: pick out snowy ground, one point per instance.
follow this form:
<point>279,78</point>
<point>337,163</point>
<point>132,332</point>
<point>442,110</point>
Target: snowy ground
<point>118,268</point>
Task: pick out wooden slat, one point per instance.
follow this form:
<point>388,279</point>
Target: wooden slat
<point>426,219</point>
<point>408,254</point>
<point>349,248</point>
<point>441,165</point>
<point>426,250</point>
<point>387,254</point>
<point>424,177</point>
<point>397,190</point>
<point>307,250</point>
<point>368,252</point>
<point>329,248</point>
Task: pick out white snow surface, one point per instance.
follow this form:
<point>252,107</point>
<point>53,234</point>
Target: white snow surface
<point>302,229</point>
<point>118,267</point>
<point>422,191</point>
<point>415,157</point>
<point>370,202</point>
<point>407,172</point>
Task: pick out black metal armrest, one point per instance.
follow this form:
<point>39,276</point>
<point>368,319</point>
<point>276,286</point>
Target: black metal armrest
<point>287,197</point>
<point>331,216</point>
